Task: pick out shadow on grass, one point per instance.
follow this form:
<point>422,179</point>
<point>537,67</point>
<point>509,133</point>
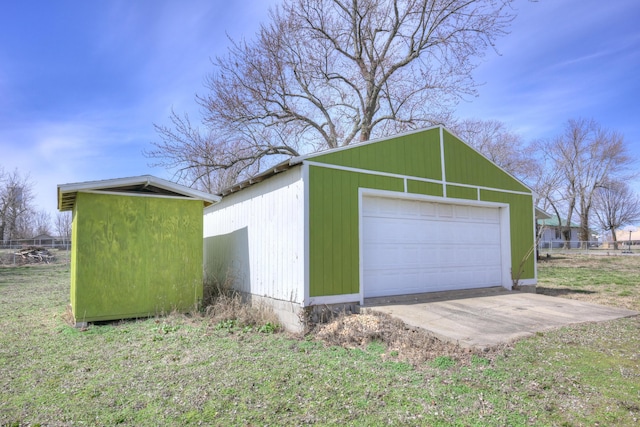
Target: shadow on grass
<point>561,291</point>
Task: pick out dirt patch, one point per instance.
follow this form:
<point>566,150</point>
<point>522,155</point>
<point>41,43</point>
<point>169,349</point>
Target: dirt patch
<point>414,346</point>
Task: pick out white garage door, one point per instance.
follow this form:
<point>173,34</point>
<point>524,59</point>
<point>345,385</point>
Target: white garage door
<point>416,246</point>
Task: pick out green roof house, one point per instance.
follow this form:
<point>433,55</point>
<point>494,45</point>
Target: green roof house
<point>136,247</point>
<point>551,233</point>
<point>415,213</point>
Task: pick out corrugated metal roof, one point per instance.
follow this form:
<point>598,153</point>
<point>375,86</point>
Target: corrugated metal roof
<point>144,184</point>
<point>554,222</point>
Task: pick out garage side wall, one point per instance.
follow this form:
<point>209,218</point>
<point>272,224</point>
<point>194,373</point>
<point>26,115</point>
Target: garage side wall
<point>135,256</point>
<point>254,239</point>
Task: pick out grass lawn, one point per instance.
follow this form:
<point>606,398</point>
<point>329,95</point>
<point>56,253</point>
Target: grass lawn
<point>189,370</point>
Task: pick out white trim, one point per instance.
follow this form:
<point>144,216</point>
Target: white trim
<point>413,178</point>
<point>138,180</point>
<point>334,299</point>
<point>361,191</point>
<point>442,164</point>
<point>505,227</point>
<point>370,192</point>
<point>306,240</point>
<point>505,246</point>
<point>534,253</point>
<point>528,282</point>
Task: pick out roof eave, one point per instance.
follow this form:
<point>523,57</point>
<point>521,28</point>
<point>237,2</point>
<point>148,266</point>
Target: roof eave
<point>67,192</point>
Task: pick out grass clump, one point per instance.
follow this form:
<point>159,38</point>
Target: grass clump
<point>231,311</point>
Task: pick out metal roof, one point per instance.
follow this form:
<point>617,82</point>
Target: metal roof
<point>144,184</point>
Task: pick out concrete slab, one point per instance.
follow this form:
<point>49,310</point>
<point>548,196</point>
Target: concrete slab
<point>487,317</point>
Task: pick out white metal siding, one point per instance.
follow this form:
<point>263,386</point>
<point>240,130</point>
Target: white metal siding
<point>412,246</point>
<point>257,235</point>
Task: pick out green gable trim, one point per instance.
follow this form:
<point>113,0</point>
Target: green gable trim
<point>464,165</point>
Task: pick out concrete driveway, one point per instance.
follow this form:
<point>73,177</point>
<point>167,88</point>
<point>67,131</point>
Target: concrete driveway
<point>486,317</point>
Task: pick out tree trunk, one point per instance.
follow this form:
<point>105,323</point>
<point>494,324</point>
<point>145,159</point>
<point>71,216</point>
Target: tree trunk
<point>615,239</point>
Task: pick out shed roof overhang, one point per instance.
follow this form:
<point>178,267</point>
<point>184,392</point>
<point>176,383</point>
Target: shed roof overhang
<point>145,184</point>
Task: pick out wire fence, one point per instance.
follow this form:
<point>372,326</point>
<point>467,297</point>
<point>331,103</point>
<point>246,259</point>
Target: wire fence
<point>591,246</point>
<point>48,243</point>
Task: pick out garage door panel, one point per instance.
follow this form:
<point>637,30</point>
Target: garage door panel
<point>415,246</point>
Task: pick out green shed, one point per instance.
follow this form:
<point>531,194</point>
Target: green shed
<point>136,247</point>
<point>414,213</point>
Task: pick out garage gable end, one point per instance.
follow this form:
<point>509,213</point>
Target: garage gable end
<point>349,241</point>
<point>464,165</point>
<point>415,154</point>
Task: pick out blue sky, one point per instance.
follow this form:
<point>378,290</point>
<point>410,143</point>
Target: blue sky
<point>82,83</point>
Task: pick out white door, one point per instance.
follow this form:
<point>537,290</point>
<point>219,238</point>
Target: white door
<point>414,246</point>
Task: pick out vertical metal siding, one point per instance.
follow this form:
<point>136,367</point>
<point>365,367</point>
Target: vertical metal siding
<point>333,199</point>
<point>333,227</point>
<point>425,188</point>
<point>465,166</point>
<point>521,220</point>
<point>458,192</point>
<point>257,236</point>
<point>412,155</point>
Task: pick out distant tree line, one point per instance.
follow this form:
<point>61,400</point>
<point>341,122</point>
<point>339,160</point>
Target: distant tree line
<point>19,217</point>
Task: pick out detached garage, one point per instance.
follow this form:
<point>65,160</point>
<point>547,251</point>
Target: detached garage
<point>136,247</point>
<point>419,212</point>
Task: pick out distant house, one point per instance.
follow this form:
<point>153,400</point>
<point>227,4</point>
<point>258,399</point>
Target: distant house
<point>44,240</point>
<point>552,237</point>
<point>625,239</point>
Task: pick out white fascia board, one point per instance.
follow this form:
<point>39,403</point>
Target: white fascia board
<point>137,180</point>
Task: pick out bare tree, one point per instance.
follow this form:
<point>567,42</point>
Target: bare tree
<point>16,199</point>
<point>615,206</point>
<point>586,156</point>
<point>326,73</point>
<point>40,223</point>
<point>502,146</point>
<point>62,225</point>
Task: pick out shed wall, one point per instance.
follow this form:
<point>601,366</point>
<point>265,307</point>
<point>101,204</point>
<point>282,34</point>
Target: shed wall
<point>135,256</point>
<point>255,238</point>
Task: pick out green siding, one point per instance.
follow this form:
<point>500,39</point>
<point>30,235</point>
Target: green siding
<point>333,227</point>
<point>416,154</point>
<point>135,256</point>
<point>426,188</point>
<point>458,192</point>
<point>521,228</point>
<point>333,199</point>
<point>463,165</point>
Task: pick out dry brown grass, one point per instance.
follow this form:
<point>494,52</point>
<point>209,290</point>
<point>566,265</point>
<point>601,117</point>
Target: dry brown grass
<point>415,346</point>
<point>223,304</point>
